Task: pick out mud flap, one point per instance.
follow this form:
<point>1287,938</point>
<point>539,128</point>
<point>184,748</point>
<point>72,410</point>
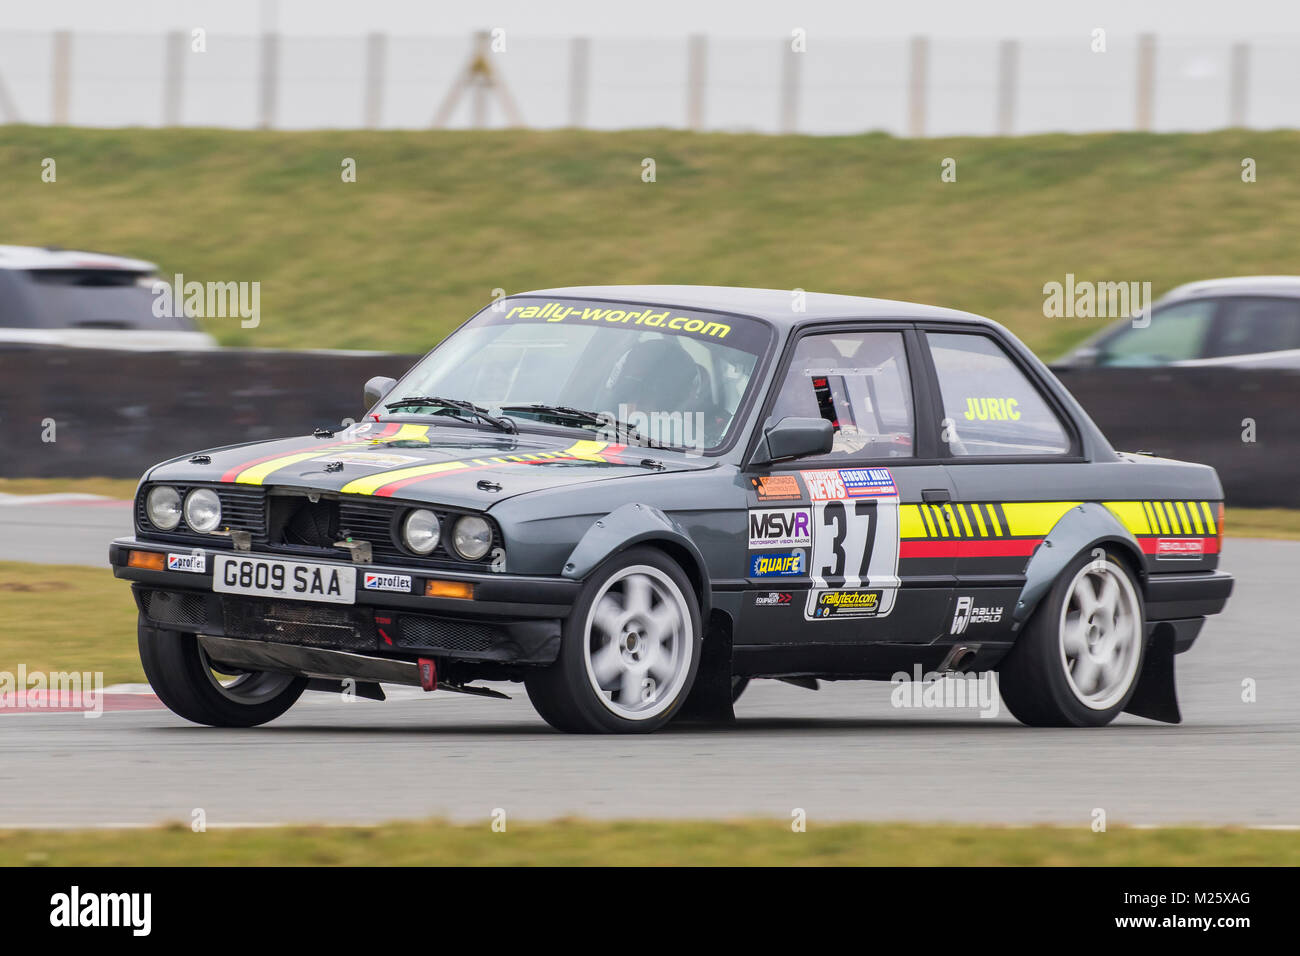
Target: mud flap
<point>710,698</point>
<point>1156,696</point>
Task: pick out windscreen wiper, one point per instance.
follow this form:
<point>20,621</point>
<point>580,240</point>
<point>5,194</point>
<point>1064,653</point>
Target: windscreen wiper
<point>475,412</point>
<point>585,417</point>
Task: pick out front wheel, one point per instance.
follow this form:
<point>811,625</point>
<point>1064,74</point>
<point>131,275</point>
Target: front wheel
<point>1078,660</point>
<point>187,682</point>
<point>630,649</point>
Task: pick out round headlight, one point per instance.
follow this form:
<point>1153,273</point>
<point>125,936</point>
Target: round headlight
<point>163,506</point>
<point>472,537</point>
<point>420,531</point>
<point>202,510</point>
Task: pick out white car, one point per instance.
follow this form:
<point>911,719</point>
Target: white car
<point>59,297</point>
<point>1242,322</point>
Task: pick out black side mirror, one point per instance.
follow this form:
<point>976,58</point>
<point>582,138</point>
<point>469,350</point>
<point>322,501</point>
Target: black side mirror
<point>376,389</point>
<point>794,438</point>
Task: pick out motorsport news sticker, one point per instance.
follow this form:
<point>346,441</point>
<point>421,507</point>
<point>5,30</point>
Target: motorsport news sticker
<point>780,528</point>
<point>373,459</point>
<point>824,484</point>
<point>773,599</point>
<point>859,602</point>
<point>777,487</point>
<point>194,563</point>
<point>780,565</point>
<point>375,581</point>
<point>868,482</point>
<point>1180,547</point>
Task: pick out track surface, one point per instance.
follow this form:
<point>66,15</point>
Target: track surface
<point>841,753</point>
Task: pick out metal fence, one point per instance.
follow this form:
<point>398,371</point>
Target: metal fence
<point>911,86</point>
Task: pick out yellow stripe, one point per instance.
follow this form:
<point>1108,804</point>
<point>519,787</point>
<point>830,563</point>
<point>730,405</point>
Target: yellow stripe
<point>910,522</point>
<point>1035,517</point>
<point>372,483</point>
<point>1162,526</point>
<point>993,517</point>
<point>979,519</point>
<point>1209,517</point>
<point>418,433</point>
<point>1173,516</point>
<point>258,473</point>
<point>961,510</point>
<point>1131,514</point>
<point>1182,518</point>
<point>953,524</point>
<point>586,450</point>
<point>1196,517</point>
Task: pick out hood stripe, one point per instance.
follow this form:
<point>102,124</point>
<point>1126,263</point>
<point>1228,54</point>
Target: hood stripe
<point>255,470</point>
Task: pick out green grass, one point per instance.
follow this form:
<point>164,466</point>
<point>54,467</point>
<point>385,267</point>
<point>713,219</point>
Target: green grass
<point>437,220</point>
<point>123,488</point>
<point>579,843</point>
<point>61,618</point>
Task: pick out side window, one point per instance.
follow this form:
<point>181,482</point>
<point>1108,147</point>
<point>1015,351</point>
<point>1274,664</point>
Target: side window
<point>859,382</point>
<point>1176,333</point>
<point>989,406</point>
<point>1252,324</point>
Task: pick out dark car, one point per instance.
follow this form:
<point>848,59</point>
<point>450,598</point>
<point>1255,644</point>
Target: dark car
<point>634,499</point>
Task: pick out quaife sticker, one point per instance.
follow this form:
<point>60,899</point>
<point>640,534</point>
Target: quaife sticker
<point>786,564</point>
<point>856,603</point>
<point>194,563</point>
<point>780,528</point>
<point>376,581</point>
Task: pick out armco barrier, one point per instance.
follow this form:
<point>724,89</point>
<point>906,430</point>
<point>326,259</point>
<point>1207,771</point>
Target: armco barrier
<point>1205,415</point>
<point>115,413</point>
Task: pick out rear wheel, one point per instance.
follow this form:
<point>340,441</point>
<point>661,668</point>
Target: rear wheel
<point>630,650</point>
<point>188,683</point>
<point>1078,660</point>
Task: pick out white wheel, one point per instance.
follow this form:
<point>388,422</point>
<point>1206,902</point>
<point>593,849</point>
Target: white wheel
<point>1101,635</point>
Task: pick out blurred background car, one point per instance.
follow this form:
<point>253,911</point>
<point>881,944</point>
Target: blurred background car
<point>1242,322</point>
<point>59,297</point>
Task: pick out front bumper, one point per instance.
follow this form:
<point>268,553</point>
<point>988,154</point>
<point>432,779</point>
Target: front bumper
<point>512,619</point>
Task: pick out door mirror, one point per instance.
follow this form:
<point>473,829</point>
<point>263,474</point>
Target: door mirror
<point>376,389</point>
<point>794,438</point>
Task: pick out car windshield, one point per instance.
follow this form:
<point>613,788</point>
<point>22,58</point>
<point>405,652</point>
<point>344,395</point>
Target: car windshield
<point>642,373</point>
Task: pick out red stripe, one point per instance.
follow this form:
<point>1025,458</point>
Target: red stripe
<point>233,473</point>
<point>977,548</point>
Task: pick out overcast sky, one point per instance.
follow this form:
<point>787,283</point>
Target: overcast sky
<point>953,18</point>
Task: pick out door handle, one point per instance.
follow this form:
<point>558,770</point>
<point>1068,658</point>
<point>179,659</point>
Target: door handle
<point>932,495</point>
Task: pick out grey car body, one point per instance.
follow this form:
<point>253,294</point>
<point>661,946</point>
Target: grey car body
<point>955,532</point>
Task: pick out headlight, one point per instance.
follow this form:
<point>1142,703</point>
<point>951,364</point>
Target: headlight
<point>202,510</point>
<point>163,506</point>
<point>420,531</point>
<point>472,537</point>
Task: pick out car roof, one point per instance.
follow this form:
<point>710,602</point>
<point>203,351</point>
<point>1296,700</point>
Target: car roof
<point>35,257</point>
<point>1236,285</point>
<point>774,305</point>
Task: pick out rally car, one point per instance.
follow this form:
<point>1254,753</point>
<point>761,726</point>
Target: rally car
<point>635,499</point>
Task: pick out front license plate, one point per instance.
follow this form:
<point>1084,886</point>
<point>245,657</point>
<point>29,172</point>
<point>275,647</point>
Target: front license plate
<point>296,580</point>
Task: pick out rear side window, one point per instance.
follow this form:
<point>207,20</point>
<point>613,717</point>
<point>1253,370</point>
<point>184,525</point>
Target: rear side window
<point>859,382</point>
<point>1254,324</point>
<point>989,406</point>
<point>1176,333</point>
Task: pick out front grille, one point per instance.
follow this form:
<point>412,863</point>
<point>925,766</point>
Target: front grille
<point>242,509</point>
<point>298,521</point>
<point>174,607</point>
<point>311,625</point>
<point>431,633</point>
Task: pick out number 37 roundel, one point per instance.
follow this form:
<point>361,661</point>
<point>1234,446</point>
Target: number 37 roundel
<point>854,560</point>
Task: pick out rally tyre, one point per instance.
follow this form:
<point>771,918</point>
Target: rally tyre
<point>1078,660</point>
<point>630,649</point>
<point>184,679</point>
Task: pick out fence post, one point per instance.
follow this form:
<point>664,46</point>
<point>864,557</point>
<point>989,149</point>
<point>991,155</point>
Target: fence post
<point>1146,82</point>
<point>1239,84</point>
<point>270,79</point>
<point>789,87</point>
<point>916,87</point>
<point>579,58</point>
<point>376,54</point>
<point>696,52</point>
<point>61,86</point>
<point>173,77</point>
<point>1008,63</point>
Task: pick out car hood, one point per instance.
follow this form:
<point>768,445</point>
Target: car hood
<point>465,467</point>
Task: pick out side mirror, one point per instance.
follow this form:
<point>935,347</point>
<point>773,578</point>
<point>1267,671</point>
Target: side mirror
<point>376,389</point>
<point>794,438</point>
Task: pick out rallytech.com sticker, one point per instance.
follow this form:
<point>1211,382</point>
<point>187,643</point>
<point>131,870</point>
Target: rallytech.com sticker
<point>855,603</point>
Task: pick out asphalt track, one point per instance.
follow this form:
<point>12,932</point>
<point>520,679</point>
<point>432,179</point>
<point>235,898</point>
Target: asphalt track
<point>841,753</point>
